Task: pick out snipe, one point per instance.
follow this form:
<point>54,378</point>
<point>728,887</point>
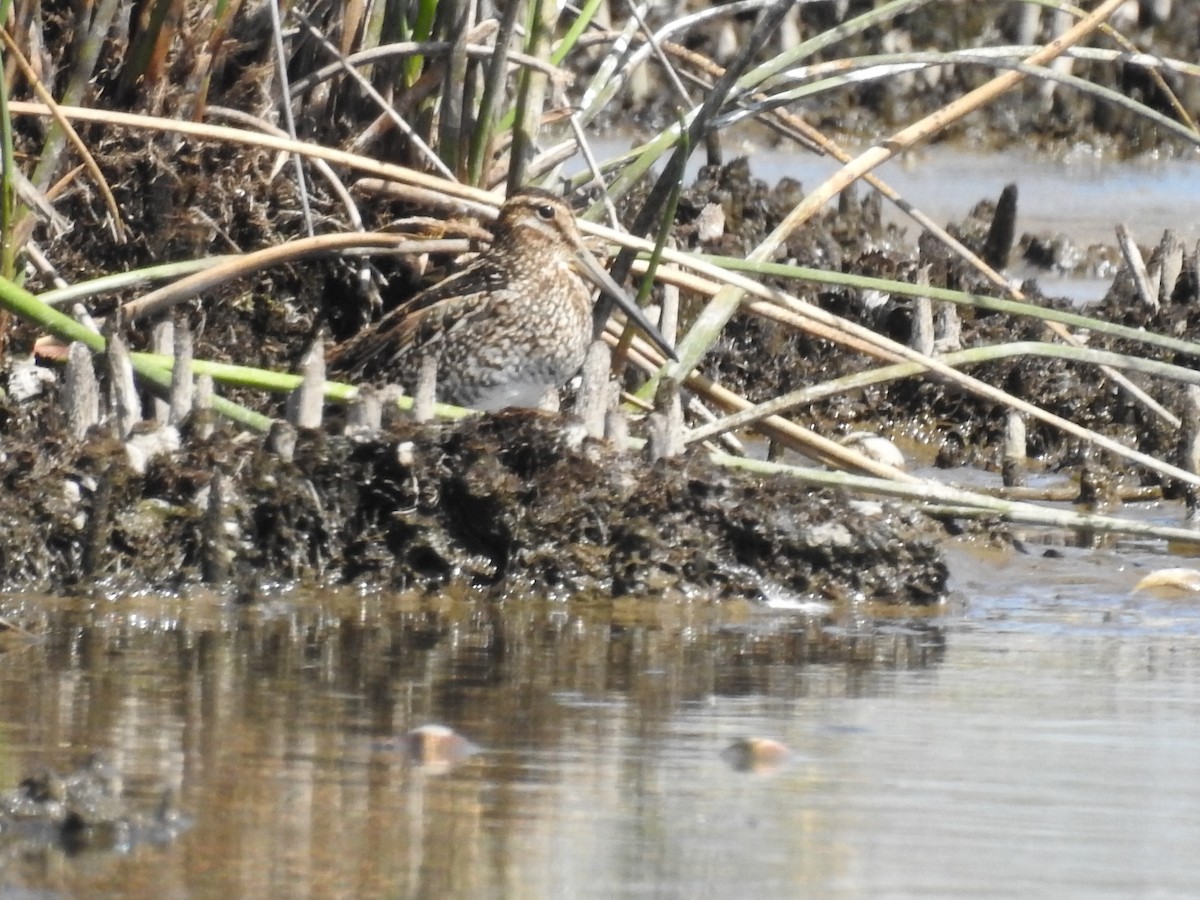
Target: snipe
<point>513,324</point>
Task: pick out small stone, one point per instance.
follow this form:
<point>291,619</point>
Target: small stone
<point>756,754</point>
<point>876,447</point>
<point>27,380</point>
<point>432,747</point>
<point>710,223</point>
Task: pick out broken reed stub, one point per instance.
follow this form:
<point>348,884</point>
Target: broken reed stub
<point>948,329</point>
<point>616,423</point>
<point>664,426</point>
<point>1170,265</point>
<point>202,407</point>
<point>1189,445</point>
<point>425,391</point>
<point>390,412</point>
<point>1146,291</point>
<point>281,440</point>
<point>922,319</point>
<point>162,342</point>
<point>306,404</point>
<point>81,391</point>
<point>669,402</point>
<point>124,406</point>
<point>182,387</point>
<point>1190,456</point>
<point>364,414</point>
<point>591,404</point>
<point>214,557</point>
<point>656,437</point>
<point>668,318</point>
<point>616,428</point>
<point>99,525</point>
<point>1012,469</point>
<point>849,203</point>
<point>1193,266</point>
<point>143,447</point>
<point>997,247</point>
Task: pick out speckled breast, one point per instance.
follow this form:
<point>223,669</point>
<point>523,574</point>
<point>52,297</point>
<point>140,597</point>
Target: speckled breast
<point>527,349</point>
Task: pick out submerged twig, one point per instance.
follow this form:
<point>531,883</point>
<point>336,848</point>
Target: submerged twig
<point>944,500</point>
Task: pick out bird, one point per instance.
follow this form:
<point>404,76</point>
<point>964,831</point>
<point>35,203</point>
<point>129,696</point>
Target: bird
<point>513,324</point>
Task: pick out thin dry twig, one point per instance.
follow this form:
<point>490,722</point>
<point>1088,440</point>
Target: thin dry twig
<point>164,298</point>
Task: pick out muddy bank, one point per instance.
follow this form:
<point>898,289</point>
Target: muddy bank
<point>269,321</point>
<point>1053,117</point>
<point>509,504</point>
<point>762,359</point>
<point>503,504</point>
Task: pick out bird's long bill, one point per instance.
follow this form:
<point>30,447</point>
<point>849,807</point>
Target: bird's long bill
<point>605,282</point>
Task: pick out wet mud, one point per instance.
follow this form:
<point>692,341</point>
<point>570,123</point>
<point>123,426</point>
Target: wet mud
<point>952,428</point>
<point>507,503</point>
<point>1053,117</point>
<point>510,504</point>
<point>516,508</point>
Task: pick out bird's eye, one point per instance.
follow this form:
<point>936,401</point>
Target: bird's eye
<point>545,211</point>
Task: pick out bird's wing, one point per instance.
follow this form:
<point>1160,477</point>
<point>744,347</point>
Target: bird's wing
<point>421,323</point>
<point>481,276</point>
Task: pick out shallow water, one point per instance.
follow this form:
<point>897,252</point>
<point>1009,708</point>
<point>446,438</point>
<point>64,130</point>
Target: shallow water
<point>1038,737</point>
<point>1081,194</point>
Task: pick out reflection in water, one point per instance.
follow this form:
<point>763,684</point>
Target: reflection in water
<point>916,763</point>
<point>434,748</point>
<point>267,724</point>
<point>756,754</point>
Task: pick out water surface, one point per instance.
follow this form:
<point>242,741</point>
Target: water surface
<point>1039,736</point>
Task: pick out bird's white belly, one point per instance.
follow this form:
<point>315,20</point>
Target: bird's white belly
<point>512,393</point>
<point>525,383</point>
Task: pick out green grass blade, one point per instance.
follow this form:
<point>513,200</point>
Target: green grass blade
<point>8,188</point>
<point>20,302</point>
<point>979,301</point>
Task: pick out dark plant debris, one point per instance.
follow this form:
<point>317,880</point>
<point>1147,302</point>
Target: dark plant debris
<point>508,504</point>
